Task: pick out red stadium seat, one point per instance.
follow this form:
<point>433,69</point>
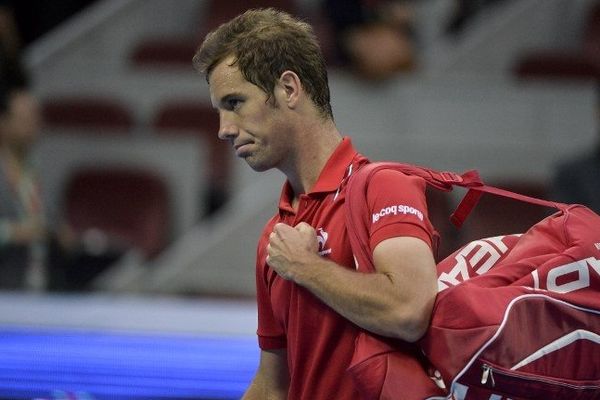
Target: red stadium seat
<point>177,52</point>
<point>562,65</point>
<point>165,52</point>
<point>196,118</point>
<point>576,64</point>
<point>187,116</point>
<point>127,204</point>
<point>87,114</point>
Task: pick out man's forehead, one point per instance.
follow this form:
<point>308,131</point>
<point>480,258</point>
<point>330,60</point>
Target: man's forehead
<point>224,75</point>
<point>224,67</point>
<point>226,80</point>
<point>223,79</point>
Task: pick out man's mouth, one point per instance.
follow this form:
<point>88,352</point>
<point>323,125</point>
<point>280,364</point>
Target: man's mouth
<point>242,149</point>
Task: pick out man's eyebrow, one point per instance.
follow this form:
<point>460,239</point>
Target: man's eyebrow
<point>229,96</point>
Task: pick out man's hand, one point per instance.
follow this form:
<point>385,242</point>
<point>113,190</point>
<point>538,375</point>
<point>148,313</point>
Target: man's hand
<point>291,248</point>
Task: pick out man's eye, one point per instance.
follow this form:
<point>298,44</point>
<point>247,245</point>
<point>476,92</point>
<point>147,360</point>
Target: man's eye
<point>233,104</point>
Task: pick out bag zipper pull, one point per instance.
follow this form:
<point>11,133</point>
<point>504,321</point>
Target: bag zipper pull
<point>488,373</point>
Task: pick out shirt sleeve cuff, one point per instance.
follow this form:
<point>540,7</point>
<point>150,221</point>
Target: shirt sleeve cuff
<point>397,230</point>
<point>271,342</point>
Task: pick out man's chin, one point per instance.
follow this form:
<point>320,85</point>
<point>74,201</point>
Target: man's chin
<point>257,166</point>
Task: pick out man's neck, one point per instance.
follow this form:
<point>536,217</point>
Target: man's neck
<point>312,154</point>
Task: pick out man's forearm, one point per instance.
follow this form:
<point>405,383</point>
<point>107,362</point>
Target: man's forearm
<point>395,301</point>
<point>271,381</point>
<point>376,302</point>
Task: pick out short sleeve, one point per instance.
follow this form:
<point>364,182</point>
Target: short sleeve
<point>270,333</point>
<point>398,207</point>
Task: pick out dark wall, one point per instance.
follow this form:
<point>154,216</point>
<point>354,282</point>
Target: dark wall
<point>34,18</point>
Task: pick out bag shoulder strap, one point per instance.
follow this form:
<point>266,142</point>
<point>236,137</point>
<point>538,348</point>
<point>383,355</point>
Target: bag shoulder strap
<point>357,213</point>
<point>446,180</point>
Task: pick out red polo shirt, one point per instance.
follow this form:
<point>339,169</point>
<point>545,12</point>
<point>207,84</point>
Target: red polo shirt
<point>320,342</point>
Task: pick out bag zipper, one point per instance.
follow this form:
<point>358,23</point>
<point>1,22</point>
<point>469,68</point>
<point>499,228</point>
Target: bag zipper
<point>488,376</point>
<point>488,373</point>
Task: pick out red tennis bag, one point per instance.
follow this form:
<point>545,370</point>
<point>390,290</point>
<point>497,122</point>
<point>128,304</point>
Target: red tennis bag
<point>516,317</point>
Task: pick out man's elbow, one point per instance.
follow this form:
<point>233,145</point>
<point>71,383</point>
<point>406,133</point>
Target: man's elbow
<point>416,331</point>
<point>411,326</point>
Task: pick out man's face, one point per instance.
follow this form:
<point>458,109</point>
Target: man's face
<point>253,125</point>
<point>21,123</point>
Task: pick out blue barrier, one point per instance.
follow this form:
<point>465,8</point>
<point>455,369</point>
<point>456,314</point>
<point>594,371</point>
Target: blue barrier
<point>90,365</point>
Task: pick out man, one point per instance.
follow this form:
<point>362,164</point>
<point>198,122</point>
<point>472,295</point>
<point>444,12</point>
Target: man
<point>22,231</point>
<point>31,251</point>
<point>374,38</point>
<point>269,84</point>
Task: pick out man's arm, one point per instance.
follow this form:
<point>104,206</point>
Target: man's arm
<point>272,378</point>
<point>395,301</point>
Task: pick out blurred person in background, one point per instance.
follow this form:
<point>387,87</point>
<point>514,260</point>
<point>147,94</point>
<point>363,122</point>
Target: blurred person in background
<point>22,219</point>
<point>24,235</point>
<point>375,38</point>
<point>22,225</point>
<point>34,253</point>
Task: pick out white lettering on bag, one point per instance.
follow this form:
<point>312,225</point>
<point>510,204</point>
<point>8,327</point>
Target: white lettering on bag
<point>395,210</point>
<point>557,279</point>
<point>477,256</point>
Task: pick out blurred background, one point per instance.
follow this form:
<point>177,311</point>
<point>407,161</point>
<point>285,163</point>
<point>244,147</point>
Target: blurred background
<point>128,231</point>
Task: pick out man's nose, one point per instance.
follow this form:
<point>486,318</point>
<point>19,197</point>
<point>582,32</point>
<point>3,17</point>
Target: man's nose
<point>227,128</point>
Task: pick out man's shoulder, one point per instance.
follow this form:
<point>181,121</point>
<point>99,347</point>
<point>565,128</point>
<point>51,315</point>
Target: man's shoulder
<point>385,173</point>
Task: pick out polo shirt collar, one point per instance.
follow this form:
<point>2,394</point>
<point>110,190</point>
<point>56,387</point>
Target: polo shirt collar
<point>330,177</point>
<point>336,167</point>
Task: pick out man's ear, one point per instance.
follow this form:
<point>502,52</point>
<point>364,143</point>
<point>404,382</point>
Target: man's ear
<point>291,88</point>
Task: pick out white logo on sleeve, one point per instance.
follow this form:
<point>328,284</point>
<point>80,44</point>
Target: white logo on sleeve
<point>322,238</point>
<point>395,210</point>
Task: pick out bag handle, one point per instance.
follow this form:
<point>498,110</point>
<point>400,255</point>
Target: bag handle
<point>446,180</point>
<point>470,200</point>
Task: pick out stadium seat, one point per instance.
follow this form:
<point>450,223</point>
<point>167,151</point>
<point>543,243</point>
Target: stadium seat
<point>196,118</point>
<point>87,114</point>
<point>577,64</point>
<point>177,52</point>
<point>128,205</point>
<point>174,52</point>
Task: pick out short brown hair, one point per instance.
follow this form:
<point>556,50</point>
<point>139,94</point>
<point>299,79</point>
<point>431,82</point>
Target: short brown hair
<point>265,43</point>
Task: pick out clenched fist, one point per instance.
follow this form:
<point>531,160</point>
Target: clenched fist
<point>291,248</point>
